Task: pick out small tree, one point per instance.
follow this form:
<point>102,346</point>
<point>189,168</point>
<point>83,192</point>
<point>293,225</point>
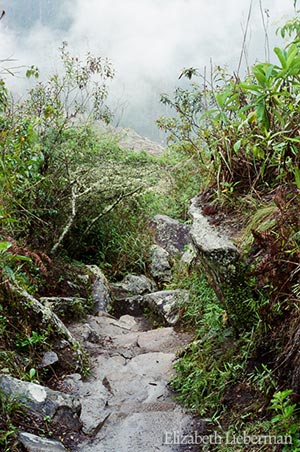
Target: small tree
<point>244,132</point>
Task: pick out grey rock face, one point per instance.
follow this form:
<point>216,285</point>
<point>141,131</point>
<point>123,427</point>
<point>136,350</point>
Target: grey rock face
<point>160,267</point>
<point>129,323</point>
<point>33,443</point>
<point>207,239</point>
<point>130,139</point>
<point>220,259</point>
<point>88,333</point>
<point>41,400</point>
<point>165,303</point>
<point>170,234</point>
<point>100,291</point>
<point>132,285</point>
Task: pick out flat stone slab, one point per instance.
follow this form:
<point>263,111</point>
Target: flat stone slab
<point>139,432</point>
<point>153,365</point>
<point>33,443</point>
<point>102,326</point>
<point>158,340</point>
<point>39,399</point>
<point>126,402</point>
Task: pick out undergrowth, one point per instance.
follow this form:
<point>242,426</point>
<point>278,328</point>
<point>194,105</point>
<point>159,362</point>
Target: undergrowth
<point>67,193</point>
<point>228,379</point>
<point>243,134</point>
<point>217,357</point>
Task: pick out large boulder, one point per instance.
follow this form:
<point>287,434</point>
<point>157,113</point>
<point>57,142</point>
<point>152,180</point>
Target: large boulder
<point>60,407</point>
<point>163,305</point>
<point>170,234</point>
<point>220,259</point>
<point>210,240</point>
<point>100,289</point>
<point>132,285</point>
<point>160,265</point>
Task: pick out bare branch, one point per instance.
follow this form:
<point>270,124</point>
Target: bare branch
<point>245,37</point>
<point>69,223</point>
<point>110,208</point>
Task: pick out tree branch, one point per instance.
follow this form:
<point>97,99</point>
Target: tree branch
<point>110,208</point>
<point>69,223</point>
<point>74,197</point>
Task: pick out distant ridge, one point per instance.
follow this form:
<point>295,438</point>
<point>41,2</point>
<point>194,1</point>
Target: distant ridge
<point>130,139</point>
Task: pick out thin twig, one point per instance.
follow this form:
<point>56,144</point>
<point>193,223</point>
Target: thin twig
<point>265,26</point>
<point>245,36</point>
<point>110,208</point>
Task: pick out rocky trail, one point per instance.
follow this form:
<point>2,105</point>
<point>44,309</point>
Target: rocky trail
<point>126,403</point>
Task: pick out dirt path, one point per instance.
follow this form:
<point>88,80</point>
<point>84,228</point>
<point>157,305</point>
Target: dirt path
<point>126,403</point>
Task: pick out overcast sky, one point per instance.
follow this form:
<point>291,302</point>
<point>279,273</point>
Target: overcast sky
<point>149,42</point>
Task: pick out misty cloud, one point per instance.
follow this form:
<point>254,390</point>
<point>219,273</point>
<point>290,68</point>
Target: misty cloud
<point>149,42</point>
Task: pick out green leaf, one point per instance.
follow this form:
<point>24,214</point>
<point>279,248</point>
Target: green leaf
<point>220,98</point>
<point>281,54</point>
<point>250,87</point>
<point>4,246</point>
<point>269,71</point>
<point>10,273</point>
<point>289,411</point>
<point>22,258</point>
<point>236,146</point>
<point>262,116</point>
<point>291,55</point>
<point>276,418</point>
<point>32,373</point>
<point>294,66</point>
<point>297,177</point>
<point>259,74</point>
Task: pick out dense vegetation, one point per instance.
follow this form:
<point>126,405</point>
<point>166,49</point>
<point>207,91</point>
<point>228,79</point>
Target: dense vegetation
<point>244,135</point>
<point>69,195</point>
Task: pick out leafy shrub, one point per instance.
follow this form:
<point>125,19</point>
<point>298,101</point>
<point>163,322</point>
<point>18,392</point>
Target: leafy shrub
<point>245,133</point>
